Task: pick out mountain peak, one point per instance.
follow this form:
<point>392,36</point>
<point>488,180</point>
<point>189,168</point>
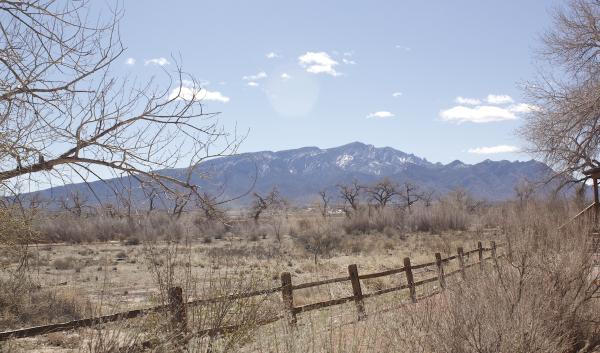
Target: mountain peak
<point>301,173</point>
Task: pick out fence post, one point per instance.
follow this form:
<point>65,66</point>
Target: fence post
<point>494,256</point>
<point>440,270</point>
<point>461,262</point>
<point>410,279</point>
<point>480,253</point>
<point>288,296</point>
<point>357,291</point>
<point>178,310</point>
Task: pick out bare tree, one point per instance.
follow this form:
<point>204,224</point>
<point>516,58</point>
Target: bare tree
<point>181,200</point>
<point>152,194</point>
<point>524,190</point>
<point>563,126</point>
<point>75,203</point>
<point>209,204</point>
<point>62,113</point>
<point>460,198</point>
<point>278,217</point>
<point>427,197</point>
<point>350,195</point>
<point>261,203</point>
<point>319,241</point>
<point>382,192</point>
<point>325,201</point>
<point>410,194</point>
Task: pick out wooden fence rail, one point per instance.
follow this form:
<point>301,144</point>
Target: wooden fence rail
<point>178,308</point>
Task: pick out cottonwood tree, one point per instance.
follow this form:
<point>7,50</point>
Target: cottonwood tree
<point>524,190</point>
<point>262,203</point>
<point>382,192</point>
<point>63,115</point>
<point>350,194</point>
<point>564,124</point>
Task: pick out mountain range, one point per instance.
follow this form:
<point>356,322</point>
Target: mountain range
<point>301,173</point>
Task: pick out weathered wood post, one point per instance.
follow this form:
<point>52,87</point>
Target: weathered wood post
<point>178,310</point>
<point>357,291</point>
<point>440,270</point>
<point>494,256</point>
<point>480,253</point>
<point>288,296</point>
<point>461,262</point>
<point>410,279</point>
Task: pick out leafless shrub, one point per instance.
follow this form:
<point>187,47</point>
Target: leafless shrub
<point>543,298</point>
<point>67,228</point>
<point>318,238</point>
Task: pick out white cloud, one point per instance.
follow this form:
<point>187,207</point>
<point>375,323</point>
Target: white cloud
<point>347,53</point>
<point>258,76</point>
<point>499,99</point>
<point>188,93</point>
<point>157,61</point>
<point>348,61</point>
<point>523,108</point>
<point>494,149</point>
<point>397,94</point>
<point>478,114</point>
<point>380,115</point>
<point>405,48</point>
<point>273,55</point>
<point>130,61</point>
<point>318,63</point>
<point>469,101</point>
<point>253,84</point>
<point>285,76</point>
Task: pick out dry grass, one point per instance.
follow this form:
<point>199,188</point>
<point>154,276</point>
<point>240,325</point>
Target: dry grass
<point>499,307</point>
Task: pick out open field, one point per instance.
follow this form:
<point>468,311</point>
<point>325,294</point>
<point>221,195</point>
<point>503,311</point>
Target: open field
<point>87,279</point>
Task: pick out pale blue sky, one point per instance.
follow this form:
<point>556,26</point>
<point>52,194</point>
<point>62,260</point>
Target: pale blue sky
<point>337,65</point>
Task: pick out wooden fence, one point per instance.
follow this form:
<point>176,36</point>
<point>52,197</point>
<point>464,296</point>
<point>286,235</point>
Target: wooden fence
<point>178,308</point>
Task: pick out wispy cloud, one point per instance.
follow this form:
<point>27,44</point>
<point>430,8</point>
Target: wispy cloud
<point>523,108</point>
<point>348,61</point>
<point>499,99</point>
<point>494,149</point>
<point>403,47</point>
<point>272,55</point>
<point>397,94</point>
<point>253,84</point>
<point>130,61</point>
<point>258,76</point>
<point>318,63</point>
<point>478,114</point>
<point>469,101</point>
<point>285,76</point>
<point>380,115</point>
<point>157,61</point>
<point>188,92</point>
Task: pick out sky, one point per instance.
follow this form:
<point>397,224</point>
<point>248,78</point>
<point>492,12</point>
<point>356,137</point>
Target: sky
<point>440,79</point>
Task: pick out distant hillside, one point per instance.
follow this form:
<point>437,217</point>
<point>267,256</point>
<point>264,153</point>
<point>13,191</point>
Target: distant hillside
<point>301,173</point>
